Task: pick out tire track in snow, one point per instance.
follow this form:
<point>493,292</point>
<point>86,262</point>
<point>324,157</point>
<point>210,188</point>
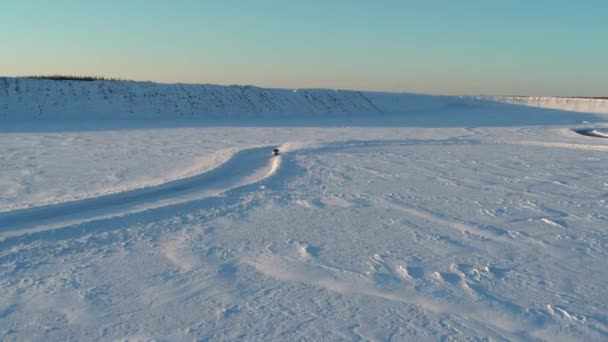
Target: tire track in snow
<point>245,167</point>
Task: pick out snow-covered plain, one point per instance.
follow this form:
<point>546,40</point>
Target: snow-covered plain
<point>471,220</point>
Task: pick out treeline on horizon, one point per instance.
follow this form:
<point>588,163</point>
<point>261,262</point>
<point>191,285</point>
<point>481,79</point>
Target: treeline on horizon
<point>74,78</point>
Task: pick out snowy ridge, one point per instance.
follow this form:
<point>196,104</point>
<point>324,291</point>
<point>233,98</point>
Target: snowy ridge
<point>574,104</point>
<point>38,99</point>
<point>25,99</point>
<point>597,133</point>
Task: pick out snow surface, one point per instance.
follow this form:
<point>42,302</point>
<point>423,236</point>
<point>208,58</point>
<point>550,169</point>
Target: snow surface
<point>26,99</point>
<point>576,104</point>
<point>598,133</point>
<point>474,220</point>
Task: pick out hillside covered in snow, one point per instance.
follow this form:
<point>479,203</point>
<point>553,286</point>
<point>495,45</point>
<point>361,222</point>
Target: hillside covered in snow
<point>40,99</point>
<point>24,98</point>
<point>575,104</point>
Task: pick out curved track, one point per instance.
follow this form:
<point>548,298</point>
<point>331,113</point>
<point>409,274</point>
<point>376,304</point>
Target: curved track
<point>245,167</point>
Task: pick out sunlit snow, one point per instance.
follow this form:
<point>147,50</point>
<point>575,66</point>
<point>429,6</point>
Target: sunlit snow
<point>408,217</point>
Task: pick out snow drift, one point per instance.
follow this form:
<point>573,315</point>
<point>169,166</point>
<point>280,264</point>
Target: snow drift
<point>574,104</point>
<point>24,99</point>
<point>596,133</point>
<point>40,99</point>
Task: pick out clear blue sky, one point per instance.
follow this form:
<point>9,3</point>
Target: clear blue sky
<point>534,47</point>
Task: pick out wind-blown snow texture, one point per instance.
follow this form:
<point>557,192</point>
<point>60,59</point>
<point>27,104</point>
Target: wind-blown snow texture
<point>489,228</point>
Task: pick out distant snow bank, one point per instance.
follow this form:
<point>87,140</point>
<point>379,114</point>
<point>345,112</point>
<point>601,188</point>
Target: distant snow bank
<point>38,99</point>
<point>574,104</point>
<point>25,99</point>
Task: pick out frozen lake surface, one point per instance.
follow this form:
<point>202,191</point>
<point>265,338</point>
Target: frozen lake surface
<point>376,229</point>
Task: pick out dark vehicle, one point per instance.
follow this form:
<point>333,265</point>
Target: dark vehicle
<point>275,152</point>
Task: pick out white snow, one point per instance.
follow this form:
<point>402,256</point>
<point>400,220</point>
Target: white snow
<point>461,219</point>
<point>23,99</point>
<point>61,166</point>
<point>575,104</point>
<point>598,133</point>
